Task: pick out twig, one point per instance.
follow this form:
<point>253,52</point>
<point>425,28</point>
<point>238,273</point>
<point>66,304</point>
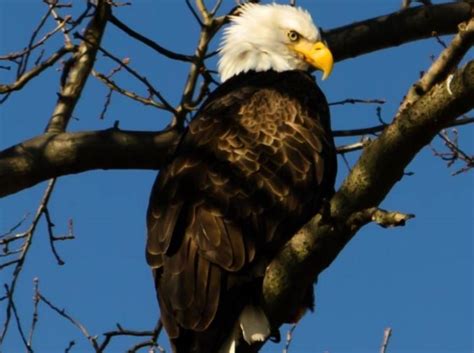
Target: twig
<point>58,19</point>
<point>385,219</point>
<point>113,86</point>
<point>289,338</point>
<point>152,342</point>
<point>353,146</point>
<point>15,227</point>
<point>455,153</point>
<point>17,318</point>
<point>19,262</point>
<point>216,7</point>
<point>143,79</point>
<point>35,71</point>
<point>79,69</point>
<point>81,327</point>
<point>69,347</point>
<point>40,42</point>
<point>357,100</point>
<point>24,59</point>
<point>357,132</point>
<point>209,26</point>
<point>196,16</point>
<point>373,130</point>
<point>444,65</point>
<point>52,238</point>
<point>34,320</point>
<point>155,46</point>
<point>386,337</point>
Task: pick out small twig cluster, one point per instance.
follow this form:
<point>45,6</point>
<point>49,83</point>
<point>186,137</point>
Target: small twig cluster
<point>454,153</point>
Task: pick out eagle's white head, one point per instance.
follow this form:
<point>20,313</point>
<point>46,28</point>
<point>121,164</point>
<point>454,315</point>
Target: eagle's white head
<point>272,37</point>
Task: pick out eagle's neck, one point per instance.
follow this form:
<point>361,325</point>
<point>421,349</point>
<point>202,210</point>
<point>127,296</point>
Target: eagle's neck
<point>246,57</point>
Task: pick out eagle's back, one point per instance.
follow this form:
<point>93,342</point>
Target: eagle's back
<point>252,168</point>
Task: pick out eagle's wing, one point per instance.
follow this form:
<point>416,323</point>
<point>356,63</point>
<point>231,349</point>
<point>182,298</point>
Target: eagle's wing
<point>249,172</point>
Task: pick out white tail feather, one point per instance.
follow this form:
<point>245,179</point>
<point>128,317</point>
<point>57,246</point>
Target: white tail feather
<point>252,324</point>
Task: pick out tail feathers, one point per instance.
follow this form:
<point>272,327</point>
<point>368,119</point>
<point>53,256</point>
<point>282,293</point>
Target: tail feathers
<point>252,325</point>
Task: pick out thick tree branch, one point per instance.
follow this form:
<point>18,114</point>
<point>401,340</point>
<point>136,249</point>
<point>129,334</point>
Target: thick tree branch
<point>54,154</point>
<point>395,29</point>
<point>379,168</point>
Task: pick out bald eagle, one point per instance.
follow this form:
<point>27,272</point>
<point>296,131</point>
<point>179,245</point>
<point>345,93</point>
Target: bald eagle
<point>253,166</point>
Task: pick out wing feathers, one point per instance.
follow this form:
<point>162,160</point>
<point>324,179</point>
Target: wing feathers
<point>245,177</point>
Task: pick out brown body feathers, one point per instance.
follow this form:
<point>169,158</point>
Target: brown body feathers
<point>252,167</point>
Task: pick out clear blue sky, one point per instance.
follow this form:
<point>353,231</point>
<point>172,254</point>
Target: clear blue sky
<point>417,279</point>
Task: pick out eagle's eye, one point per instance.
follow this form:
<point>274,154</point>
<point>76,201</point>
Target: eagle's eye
<point>293,36</point>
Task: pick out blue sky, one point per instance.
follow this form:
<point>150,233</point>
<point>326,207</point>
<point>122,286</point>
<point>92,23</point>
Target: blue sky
<point>417,279</point>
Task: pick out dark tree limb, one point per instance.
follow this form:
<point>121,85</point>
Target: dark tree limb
<point>54,154</point>
<point>395,29</point>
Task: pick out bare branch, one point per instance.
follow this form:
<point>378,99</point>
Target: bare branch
<point>209,27</point>
<point>40,42</point>
<point>383,218</point>
<point>79,69</point>
<point>34,320</point>
<point>444,65</point>
<point>357,132</point>
<point>204,12</point>
<point>69,347</point>
<point>15,227</point>
<point>356,100</point>
<point>12,304</point>
<point>50,154</point>
<point>289,336</point>
<point>151,342</point>
<point>216,7</point>
<point>59,20</point>
<point>395,29</point>
<point>19,262</point>
<point>165,105</point>
<point>24,59</point>
<point>155,46</point>
<point>63,313</point>
<point>386,337</point>
<point>35,71</point>
<point>455,153</point>
<point>196,16</point>
<point>113,86</point>
<point>354,146</point>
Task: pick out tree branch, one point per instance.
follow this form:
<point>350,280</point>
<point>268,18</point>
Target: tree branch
<point>79,69</point>
<point>148,42</point>
<point>395,29</point>
<point>35,71</point>
<point>379,168</point>
<point>444,65</point>
<point>54,154</point>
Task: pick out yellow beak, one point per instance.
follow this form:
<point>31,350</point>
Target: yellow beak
<point>315,54</point>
